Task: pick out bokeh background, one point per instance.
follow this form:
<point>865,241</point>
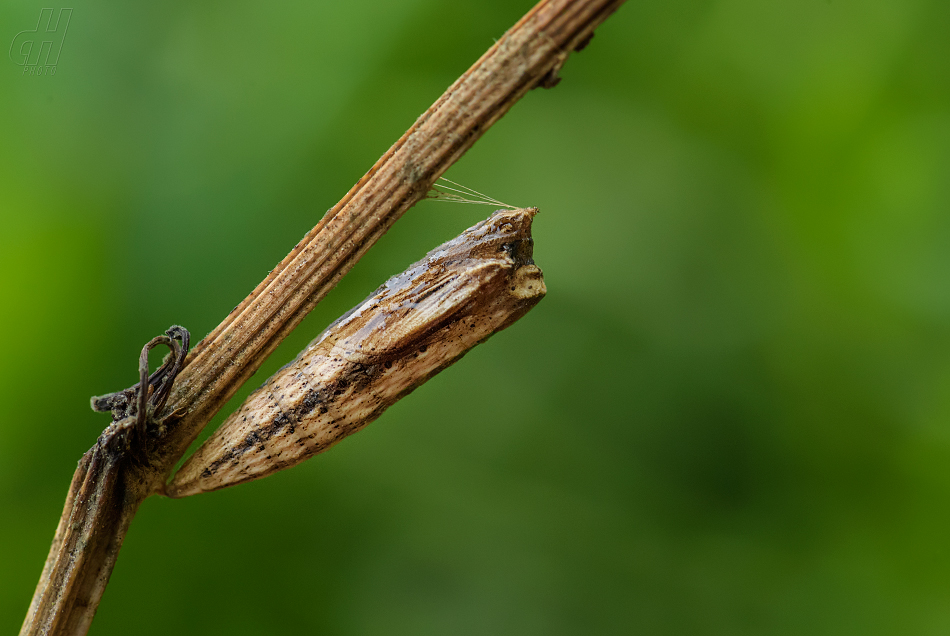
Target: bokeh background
<point>731,414</point>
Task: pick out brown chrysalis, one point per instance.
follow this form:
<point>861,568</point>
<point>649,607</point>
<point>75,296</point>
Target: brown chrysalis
<point>418,323</point>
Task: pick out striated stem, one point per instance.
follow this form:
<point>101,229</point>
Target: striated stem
<point>105,493</point>
<point>133,459</point>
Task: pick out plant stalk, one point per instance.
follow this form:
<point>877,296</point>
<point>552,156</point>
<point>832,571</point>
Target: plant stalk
<point>113,478</point>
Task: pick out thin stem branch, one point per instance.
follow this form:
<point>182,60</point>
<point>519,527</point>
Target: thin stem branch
<point>111,480</point>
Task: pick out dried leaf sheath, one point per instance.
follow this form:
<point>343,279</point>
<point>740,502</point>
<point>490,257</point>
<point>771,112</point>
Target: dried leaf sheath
<point>412,327</point>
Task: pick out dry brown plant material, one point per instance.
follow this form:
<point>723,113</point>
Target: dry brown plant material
<point>135,455</point>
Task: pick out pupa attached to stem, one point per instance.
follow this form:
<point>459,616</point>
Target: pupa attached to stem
<point>416,324</point>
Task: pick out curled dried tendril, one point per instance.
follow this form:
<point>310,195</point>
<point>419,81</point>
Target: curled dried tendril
<point>151,393</point>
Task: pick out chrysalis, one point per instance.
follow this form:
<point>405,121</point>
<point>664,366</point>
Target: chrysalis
<point>412,327</point>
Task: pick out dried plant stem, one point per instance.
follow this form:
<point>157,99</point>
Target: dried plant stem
<point>111,481</point>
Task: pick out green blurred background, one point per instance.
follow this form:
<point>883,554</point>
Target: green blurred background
<point>729,416</point>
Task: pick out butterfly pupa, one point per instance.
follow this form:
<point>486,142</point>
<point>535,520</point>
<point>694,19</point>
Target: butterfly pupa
<point>416,324</point>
